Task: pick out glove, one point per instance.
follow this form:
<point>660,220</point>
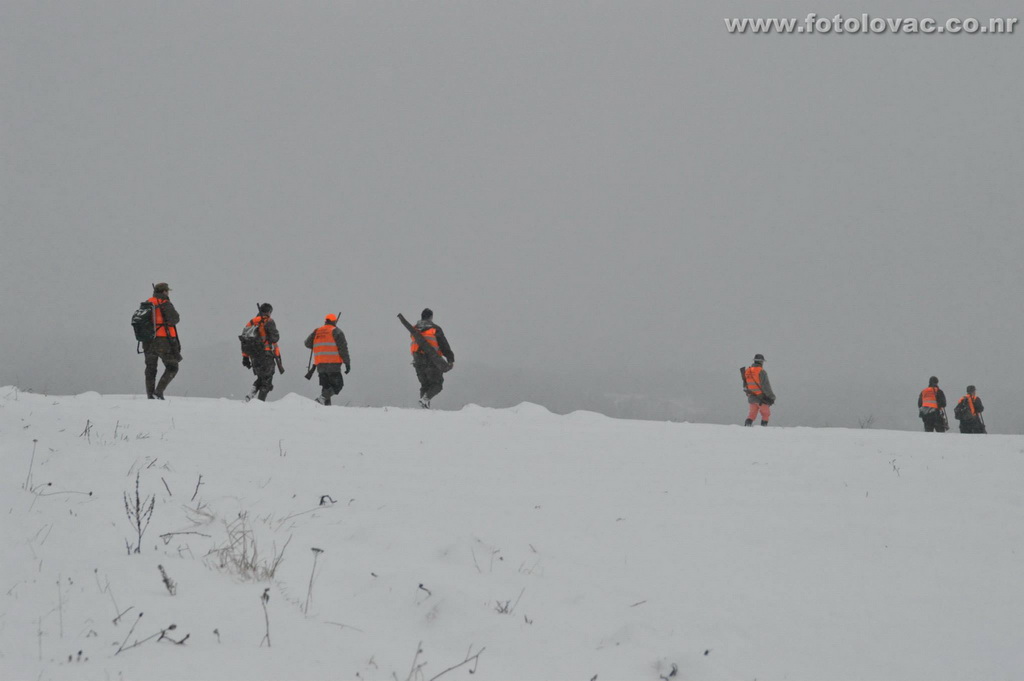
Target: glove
<point>347,367</point>
<point>245,362</point>
<point>280,365</point>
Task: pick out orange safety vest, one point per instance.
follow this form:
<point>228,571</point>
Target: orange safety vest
<point>325,350</point>
<point>929,397</point>
<point>430,335</point>
<point>753,376</point>
<point>162,330</point>
<point>267,345</point>
<point>970,403</point>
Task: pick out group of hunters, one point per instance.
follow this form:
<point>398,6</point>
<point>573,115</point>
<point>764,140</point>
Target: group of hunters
<point>329,351</point>
<point>931,403</point>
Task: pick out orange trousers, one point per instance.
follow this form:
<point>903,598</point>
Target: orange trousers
<point>765,410</point>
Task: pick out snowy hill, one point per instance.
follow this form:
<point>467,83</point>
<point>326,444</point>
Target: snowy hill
<point>523,544</point>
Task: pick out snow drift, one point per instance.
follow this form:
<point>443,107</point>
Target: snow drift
<point>513,543</point>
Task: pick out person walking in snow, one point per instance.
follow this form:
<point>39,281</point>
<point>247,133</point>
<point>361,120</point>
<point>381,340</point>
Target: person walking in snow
<point>430,377</point>
<point>931,407</point>
<point>165,345</point>
<point>968,412</point>
<point>758,389</point>
<point>330,351</point>
<point>266,357</point>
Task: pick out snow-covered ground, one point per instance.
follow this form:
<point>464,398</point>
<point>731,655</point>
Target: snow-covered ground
<point>524,544</point>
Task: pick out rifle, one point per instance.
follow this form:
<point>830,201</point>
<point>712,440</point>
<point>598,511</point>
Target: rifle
<point>310,367</point>
<point>436,358</point>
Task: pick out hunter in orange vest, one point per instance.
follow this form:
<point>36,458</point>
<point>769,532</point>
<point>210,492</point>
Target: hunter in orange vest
<point>264,360</point>
<point>968,412</point>
<point>329,351</point>
<point>758,389</point>
<point>165,346</point>
<point>430,377</point>
<point>931,407</point>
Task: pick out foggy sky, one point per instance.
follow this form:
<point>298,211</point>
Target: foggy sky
<point>601,201</point>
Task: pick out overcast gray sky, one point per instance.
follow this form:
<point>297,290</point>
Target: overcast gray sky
<point>598,199</point>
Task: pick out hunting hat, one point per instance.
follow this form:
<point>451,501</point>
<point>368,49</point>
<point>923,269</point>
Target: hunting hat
<point>266,308</point>
<point>331,318</point>
<point>427,313</point>
<point>971,389</point>
<point>162,286</point>
<point>759,357</point>
<point>933,380</point>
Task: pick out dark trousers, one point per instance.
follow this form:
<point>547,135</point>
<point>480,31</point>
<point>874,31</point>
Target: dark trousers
<point>933,423</point>
<point>972,426</point>
<point>430,377</point>
<point>264,368</point>
<point>156,351</point>
<point>331,384</point>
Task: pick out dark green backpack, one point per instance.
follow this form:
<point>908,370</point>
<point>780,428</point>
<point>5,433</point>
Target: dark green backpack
<point>142,322</point>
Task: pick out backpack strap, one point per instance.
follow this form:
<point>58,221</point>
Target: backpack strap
<point>263,333</point>
<point>174,339</point>
<point>164,323</point>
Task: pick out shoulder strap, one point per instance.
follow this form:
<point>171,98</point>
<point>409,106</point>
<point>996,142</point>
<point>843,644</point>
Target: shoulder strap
<point>263,333</point>
<point>157,306</point>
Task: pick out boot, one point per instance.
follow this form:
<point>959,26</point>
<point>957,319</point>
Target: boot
<point>321,400</point>
<point>252,394</point>
<point>425,402</point>
<point>748,422</point>
<point>167,377</point>
<point>150,387</point>
<point>262,395</point>
<point>764,423</point>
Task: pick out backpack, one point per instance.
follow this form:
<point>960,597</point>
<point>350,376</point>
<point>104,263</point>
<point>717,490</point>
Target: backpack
<point>252,343</point>
<point>962,410</point>
<point>142,322</point>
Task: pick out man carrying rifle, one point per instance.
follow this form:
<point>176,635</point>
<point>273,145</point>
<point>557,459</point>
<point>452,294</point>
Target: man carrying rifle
<point>758,389</point>
<point>431,377</point>
<point>330,351</point>
<point>264,357</point>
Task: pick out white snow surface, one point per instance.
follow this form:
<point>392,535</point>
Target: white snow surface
<point>556,547</point>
